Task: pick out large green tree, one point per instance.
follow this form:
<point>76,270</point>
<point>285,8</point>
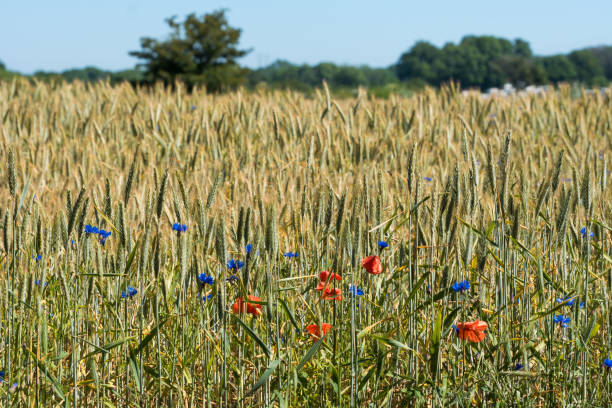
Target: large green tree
<point>477,61</point>
<point>604,55</point>
<point>588,67</point>
<point>199,51</point>
<point>559,68</point>
<point>421,61</point>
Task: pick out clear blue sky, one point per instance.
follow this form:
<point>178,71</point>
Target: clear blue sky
<point>60,34</point>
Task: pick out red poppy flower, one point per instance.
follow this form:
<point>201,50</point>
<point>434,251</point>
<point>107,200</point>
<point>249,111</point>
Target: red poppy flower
<point>327,280</point>
<point>332,293</point>
<point>325,275</point>
<point>251,308</point>
<point>372,264</point>
<point>315,330</point>
<point>472,331</point>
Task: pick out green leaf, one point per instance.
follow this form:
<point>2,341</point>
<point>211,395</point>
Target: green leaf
<point>311,352</point>
<point>108,346</point>
<point>147,339</point>
<point>57,387</point>
<point>519,373</point>
<point>103,275</point>
<point>483,235</point>
<point>546,313</point>
<point>254,336</point>
<point>412,210</point>
<point>105,218</point>
<point>389,341</point>
<point>61,356</point>
<point>523,247</point>
<point>448,320</point>
<point>23,196</point>
<point>289,314</point>
<point>434,345</point>
<point>440,295</point>
<point>264,377</point>
<point>135,371</point>
<point>134,353</point>
<point>130,259</point>
<point>416,287</point>
<point>591,330</point>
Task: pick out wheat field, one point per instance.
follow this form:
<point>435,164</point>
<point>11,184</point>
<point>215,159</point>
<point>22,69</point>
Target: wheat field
<point>137,222</point>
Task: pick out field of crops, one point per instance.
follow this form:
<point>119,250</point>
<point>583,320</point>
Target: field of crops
<point>438,250</point>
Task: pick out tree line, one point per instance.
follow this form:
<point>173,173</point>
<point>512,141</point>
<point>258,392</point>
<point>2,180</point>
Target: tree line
<point>203,51</point>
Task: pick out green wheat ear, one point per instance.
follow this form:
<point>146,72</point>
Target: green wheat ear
<point>12,177</point>
<point>130,180</point>
<point>220,243</point>
<point>161,194</point>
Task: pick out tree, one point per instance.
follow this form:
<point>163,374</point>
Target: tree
<point>347,76</point>
<point>419,62</point>
<point>518,70</point>
<point>477,61</point>
<point>559,68</point>
<point>378,76</point>
<point>87,74</point>
<point>604,55</point>
<point>199,51</point>
<point>588,67</point>
<point>522,48</point>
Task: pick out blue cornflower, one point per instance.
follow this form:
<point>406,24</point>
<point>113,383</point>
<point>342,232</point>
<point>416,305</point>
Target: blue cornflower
<point>382,244</point>
<point>291,255</point>
<point>103,235</point>
<point>427,178</point>
<point>570,301</point>
<point>584,233</point>
<point>205,298</point>
<point>179,227</point>
<point>50,315</point>
<point>130,292</point>
<point>37,257</point>
<point>356,290</point>
<point>518,367</point>
<point>581,305</point>
<point>91,229</point>
<point>461,286</point>
<point>249,248</point>
<point>234,264</point>
<point>455,328</point>
<point>37,282</point>
<point>608,363</point>
<point>232,278</point>
<point>205,279</point>
<point>1,375</point>
<point>562,320</point>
